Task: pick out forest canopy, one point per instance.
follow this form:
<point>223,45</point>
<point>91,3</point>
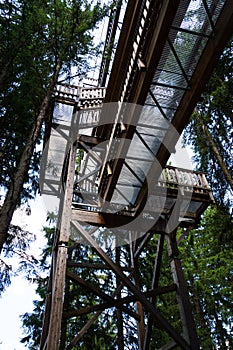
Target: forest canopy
<point>40,43</point>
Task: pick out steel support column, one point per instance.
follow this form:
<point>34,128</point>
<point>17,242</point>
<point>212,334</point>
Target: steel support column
<point>139,306</point>
<point>58,284</point>
<point>120,328</point>
<point>189,327</point>
<point>135,290</point>
<point>155,284</point>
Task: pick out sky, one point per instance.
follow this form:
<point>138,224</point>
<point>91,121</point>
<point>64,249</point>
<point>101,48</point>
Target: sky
<point>18,297</point>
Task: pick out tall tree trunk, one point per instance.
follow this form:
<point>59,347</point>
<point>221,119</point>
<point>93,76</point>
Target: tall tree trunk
<point>220,331</point>
<point>214,148</point>
<point>3,74</point>
<point>2,150</point>
<point>197,304</point>
<point>13,193</point>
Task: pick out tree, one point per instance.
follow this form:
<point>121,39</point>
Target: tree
<point>32,323</point>
<point>207,253</point>
<point>56,35</point>
<point>18,241</point>
<point>78,297</point>
<point>210,130</point>
<point>207,258</point>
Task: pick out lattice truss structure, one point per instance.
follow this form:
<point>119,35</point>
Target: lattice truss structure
<point>106,165</point>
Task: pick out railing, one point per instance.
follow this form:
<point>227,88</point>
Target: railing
<point>190,180</point>
<point>144,18</point>
<point>112,36</point>
<point>171,177</point>
<point>86,97</point>
<point>66,92</point>
<point>88,100</point>
<point>91,97</point>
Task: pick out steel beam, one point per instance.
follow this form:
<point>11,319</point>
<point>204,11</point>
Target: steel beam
<point>134,289</point>
<point>58,284</point>
<point>188,323</point>
<point>155,283</point>
<point>120,302</point>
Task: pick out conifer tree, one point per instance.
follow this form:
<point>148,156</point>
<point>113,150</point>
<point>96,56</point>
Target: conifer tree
<point>41,42</point>
<point>211,129</point>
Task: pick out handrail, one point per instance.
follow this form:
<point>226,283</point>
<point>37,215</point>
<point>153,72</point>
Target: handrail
<point>83,96</point>
<point>171,177</point>
<point>188,178</point>
<point>91,97</point>
<point>67,91</point>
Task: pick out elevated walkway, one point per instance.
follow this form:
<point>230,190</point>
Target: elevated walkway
<point>106,161</point>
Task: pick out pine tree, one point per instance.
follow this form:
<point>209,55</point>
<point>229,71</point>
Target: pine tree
<point>207,260</point>
<point>211,129</point>
<point>54,36</point>
<point>102,334</point>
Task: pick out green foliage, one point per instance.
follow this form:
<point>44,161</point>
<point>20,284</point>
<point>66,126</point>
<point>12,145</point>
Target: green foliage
<point>102,334</point>
<point>40,43</point>
<point>206,255</point>
<point>215,110</point>
<point>167,303</point>
<point>18,241</point>
<point>208,252</point>
<point>33,323</point>
<point>207,259</point>
<point>79,157</point>
<point>35,36</point>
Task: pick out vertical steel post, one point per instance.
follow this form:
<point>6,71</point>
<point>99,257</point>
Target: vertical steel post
<point>155,284</point>
<point>120,340</point>
<point>139,306</point>
<point>58,284</point>
<point>189,327</point>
